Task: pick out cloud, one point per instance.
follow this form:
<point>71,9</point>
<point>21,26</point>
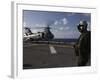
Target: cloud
<point>37,30</point>
<point>56,23</point>
<point>40,25</point>
<point>65,21</point>
<point>61,28</point>
<point>24,24</point>
<point>62,21</point>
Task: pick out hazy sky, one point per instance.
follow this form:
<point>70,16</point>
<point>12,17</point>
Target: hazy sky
<point>63,24</point>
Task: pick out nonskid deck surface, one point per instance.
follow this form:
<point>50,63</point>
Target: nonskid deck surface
<point>48,55</point>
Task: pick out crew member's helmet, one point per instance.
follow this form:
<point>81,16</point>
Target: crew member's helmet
<point>82,25</point>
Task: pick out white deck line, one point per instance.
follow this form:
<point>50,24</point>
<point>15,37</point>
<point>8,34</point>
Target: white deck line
<point>53,50</point>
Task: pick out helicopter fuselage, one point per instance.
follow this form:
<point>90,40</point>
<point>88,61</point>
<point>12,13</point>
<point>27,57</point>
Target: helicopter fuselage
<point>45,35</point>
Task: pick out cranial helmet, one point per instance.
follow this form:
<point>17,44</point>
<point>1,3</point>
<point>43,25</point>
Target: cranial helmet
<point>82,25</point>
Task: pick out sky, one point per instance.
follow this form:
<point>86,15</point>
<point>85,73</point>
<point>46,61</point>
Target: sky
<point>62,24</point>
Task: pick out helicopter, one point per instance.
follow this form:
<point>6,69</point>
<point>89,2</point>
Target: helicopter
<point>45,35</point>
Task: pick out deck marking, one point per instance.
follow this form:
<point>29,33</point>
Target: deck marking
<point>53,50</point>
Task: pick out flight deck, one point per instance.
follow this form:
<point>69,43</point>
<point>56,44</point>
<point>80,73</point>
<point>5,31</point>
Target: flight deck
<point>48,56</point>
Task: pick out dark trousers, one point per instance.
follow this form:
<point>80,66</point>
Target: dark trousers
<point>83,60</point>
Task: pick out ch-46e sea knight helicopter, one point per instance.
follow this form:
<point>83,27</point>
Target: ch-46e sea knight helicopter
<point>45,35</point>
